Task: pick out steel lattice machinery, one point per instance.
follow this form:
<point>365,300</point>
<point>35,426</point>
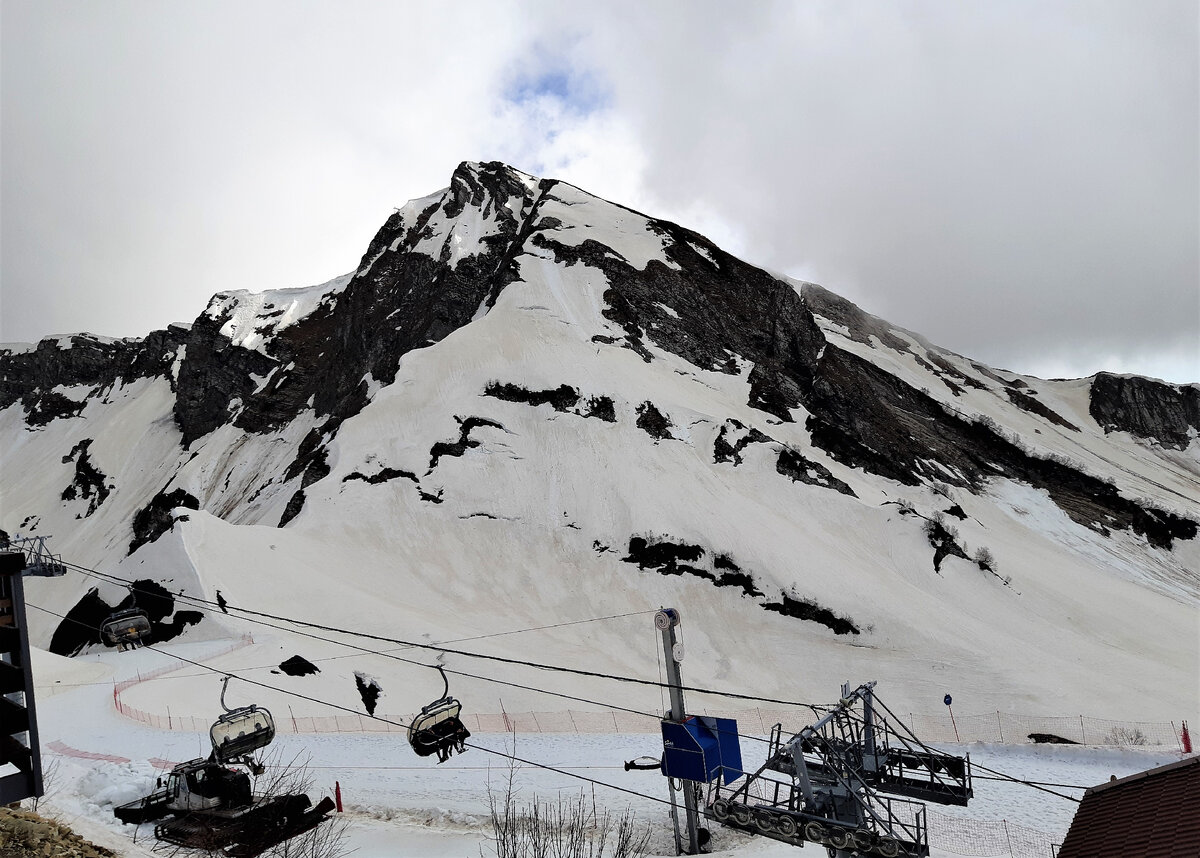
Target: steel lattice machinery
<point>833,783</point>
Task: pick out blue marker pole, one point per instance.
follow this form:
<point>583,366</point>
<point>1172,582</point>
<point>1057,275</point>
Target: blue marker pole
<point>948,700</point>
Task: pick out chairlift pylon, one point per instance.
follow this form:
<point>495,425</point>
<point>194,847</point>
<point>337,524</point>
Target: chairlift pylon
<point>437,728</point>
<point>240,732</point>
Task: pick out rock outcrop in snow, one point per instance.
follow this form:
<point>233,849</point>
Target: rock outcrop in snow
<point>520,370</point>
<point>1147,408</point>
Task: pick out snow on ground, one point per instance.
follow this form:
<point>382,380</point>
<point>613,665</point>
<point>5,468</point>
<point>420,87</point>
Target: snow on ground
<point>520,537</point>
<point>400,804</point>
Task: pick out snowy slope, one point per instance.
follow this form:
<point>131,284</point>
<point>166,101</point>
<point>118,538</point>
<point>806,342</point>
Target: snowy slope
<point>528,406</point>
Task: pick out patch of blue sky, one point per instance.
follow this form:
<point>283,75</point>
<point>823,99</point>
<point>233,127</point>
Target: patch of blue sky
<point>578,93</point>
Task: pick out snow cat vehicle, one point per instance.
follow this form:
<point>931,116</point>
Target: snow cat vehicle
<point>211,801</point>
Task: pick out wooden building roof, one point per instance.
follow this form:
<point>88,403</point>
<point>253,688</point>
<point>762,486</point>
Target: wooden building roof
<point>1153,814</point>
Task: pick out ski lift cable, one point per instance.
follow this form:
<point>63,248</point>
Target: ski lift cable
<point>976,777</point>
<point>367,651</point>
<point>1031,784</point>
<point>197,600</point>
<point>1002,775</point>
<point>352,711</point>
<point>251,614</point>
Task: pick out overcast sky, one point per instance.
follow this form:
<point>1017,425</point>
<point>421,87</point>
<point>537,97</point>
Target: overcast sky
<point>1018,182</point>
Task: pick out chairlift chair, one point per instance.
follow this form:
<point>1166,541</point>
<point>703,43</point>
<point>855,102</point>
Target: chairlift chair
<point>438,729</point>
<point>125,628</point>
<point>240,732</point>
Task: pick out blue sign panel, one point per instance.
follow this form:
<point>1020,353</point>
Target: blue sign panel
<point>702,749</point>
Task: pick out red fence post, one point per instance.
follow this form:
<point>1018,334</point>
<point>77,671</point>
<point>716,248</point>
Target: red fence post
<point>1187,740</point>
<point>337,795</point>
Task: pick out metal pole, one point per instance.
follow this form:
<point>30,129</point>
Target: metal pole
<point>675,818</point>
<point>666,620</point>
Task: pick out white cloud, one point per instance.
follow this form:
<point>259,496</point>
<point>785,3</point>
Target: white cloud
<point>1016,181</point>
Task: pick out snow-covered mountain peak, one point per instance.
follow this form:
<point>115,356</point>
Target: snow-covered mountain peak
<point>529,400</point>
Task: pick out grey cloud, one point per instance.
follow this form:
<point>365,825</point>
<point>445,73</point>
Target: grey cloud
<point>1016,181</point>
<point>1002,178</point>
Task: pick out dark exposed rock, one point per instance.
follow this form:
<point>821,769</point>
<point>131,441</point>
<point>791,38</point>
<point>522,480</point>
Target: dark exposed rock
<point>369,690</point>
<point>298,666</point>
<point>384,475</point>
<point>712,307</point>
<point>944,541</point>
<point>865,417</point>
<point>1026,402</point>
<point>214,376</point>
<point>41,408</point>
<point>155,519</point>
<point>294,505</point>
<point>465,441</point>
<point>562,398</point>
<point>723,451</point>
<point>1146,408</point>
<point>399,301</point>
<point>602,408</point>
<point>88,483</point>
<point>799,469</point>
<point>713,310</point>
<point>31,376</point>
<point>774,392</point>
<point>312,456</point>
<point>948,370</point>
<point>679,558</point>
<point>178,624</point>
<point>860,326</point>
<point>311,464</point>
<point>664,555</point>
<point>731,575</point>
<point>806,609</point>
<point>1050,739</point>
<point>987,373</point>
<point>653,422</point>
<point>81,626</point>
<point>317,468</point>
<point>151,597</point>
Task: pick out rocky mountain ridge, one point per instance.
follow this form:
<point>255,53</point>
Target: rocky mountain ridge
<point>415,286</point>
<point>508,308</point>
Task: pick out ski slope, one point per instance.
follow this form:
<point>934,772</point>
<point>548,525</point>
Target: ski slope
<point>481,438</point>
<point>398,804</point>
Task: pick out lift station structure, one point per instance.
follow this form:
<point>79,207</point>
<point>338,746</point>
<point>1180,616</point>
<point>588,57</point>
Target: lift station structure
<point>853,782</point>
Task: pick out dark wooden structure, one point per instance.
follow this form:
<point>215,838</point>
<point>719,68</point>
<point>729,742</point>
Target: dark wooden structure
<point>1153,814</point>
<point>20,754</point>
